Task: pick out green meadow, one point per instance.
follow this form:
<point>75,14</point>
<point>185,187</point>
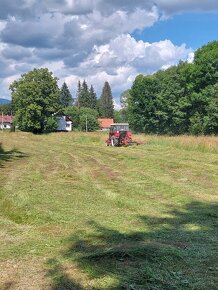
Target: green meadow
<point>76,214</point>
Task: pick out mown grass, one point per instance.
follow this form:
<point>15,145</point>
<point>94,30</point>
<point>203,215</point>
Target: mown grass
<point>75,214</point>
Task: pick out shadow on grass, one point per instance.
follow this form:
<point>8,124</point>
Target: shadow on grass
<point>7,285</point>
<point>61,280</point>
<point>6,156</point>
<point>178,251</point>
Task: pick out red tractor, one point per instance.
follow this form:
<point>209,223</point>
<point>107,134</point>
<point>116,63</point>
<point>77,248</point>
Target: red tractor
<point>120,135</point>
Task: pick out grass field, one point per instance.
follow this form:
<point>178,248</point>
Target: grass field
<point>75,214</point>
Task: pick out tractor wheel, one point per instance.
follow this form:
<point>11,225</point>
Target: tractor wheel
<point>114,142</point>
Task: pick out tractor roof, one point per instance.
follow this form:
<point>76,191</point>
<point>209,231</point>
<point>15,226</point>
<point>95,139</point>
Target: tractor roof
<point>122,124</point>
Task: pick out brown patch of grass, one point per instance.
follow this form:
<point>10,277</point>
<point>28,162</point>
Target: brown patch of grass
<point>24,274</point>
<point>201,143</point>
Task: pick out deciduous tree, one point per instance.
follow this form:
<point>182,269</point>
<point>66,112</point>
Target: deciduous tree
<point>36,98</point>
<point>182,99</point>
<point>88,117</point>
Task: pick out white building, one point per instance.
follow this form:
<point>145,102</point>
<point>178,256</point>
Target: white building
<point>64,124</point>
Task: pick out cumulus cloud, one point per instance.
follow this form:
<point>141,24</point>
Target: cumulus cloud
<point>33,8</point>
<point>123,58</point>
<point>42,32</point>
<point>16,53</point>
<point>125,50</point>
<point>176,6</point>
<point>88,39</point>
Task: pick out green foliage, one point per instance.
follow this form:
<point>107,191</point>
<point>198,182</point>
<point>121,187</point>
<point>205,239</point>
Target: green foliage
<point>79,117</point>
<point>6,109</point>
<point>65,96</point>
<point>182,99</point>
<point>124,98</point>
<point>143,104</point>
<point>206,65</point>
<point>78,94</point>
<point>205,107</point>
<point>105,104</point>
<point>196,124</point>
<point>73,112</point>
<point>86,97</point>
<point>121,116</point>
<point>92,98</point>
<point>50,124</point>
<point>88,117</point>
<point>36,97</point>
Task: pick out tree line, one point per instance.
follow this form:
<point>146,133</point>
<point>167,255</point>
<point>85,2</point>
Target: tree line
<point>182,99</point>
<point>37,101</point>
<point>88,108</point>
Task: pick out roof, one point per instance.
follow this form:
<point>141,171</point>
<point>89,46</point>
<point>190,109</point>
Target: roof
<point>6,119</point>
<point>105,122</point>
<point>68,118</point>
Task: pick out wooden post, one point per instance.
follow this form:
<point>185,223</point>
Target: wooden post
<point>86,124</point>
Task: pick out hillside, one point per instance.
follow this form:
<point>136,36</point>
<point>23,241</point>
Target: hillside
<point>4,101</point>
<point>76,214</point>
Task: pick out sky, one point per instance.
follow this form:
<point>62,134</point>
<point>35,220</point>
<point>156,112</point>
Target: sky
<point>101,40</point>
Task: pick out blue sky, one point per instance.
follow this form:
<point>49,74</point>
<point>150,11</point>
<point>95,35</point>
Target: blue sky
<point>194,29</point>
<point>101,40</point>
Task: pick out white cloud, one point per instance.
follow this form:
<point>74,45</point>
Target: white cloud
<point>117,105</point>
<point>190,58</point>
<point>119,61</point>
<point>125,51</point>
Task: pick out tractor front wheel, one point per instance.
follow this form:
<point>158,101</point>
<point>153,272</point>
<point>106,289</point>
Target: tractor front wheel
<point>114,142</point>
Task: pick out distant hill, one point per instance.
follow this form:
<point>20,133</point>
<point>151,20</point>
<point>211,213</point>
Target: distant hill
<point>4,101</point>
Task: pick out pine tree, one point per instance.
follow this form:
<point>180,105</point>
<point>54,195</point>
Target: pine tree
<point>92,98</point>
<point>65,96</point>
<point>77,103</point>
<point>106,106</point>
<point>84,95</point>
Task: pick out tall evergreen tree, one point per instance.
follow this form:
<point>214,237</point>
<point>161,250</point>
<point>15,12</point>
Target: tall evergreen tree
<point>92,98</point>
<point>84,95</point>
<point>65,96</point>
<point>77,103</point>
<point>106,106</point>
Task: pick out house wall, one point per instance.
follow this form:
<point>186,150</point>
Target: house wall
<point>64,125</point>
<point>61,124</point>
<point>68,125</point>
<point>5,125</point>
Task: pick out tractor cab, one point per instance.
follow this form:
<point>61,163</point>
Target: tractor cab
<point>119,127</point>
